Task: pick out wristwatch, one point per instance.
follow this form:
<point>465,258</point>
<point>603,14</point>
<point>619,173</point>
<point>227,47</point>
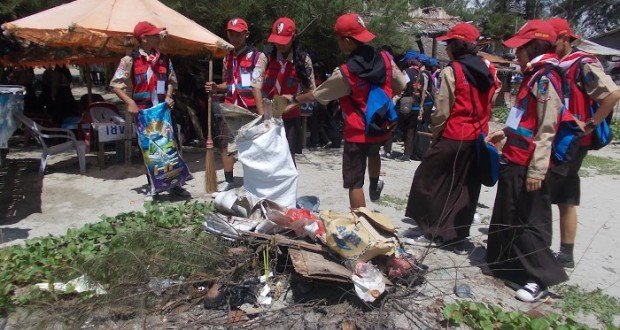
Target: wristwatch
<point>590,123</point>
<point>295,98</point>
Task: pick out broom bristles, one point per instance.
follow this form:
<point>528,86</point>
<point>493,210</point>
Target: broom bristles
<point>210,176</point>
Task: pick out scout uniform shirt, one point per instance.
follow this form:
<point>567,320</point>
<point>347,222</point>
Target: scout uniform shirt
<point>258,75</point>
<point>444,100</point>
<point>337,86</point>
<point>598,85</point>
<point>122,76</point>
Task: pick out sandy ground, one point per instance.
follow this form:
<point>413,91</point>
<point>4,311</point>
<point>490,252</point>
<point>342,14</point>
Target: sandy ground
<point>31,206</point>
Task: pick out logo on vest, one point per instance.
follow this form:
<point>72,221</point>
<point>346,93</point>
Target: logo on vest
<point>280,27</point>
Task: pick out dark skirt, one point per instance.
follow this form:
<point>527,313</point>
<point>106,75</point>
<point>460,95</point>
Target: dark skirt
<point>444,192</point>
<point>519,242</point>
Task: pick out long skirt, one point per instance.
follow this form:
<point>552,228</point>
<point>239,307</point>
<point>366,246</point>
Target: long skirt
<point>518,247</point>
<point>444,192</point>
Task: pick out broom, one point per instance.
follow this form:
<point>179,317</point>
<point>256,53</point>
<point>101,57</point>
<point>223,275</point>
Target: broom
<point>210,176</point>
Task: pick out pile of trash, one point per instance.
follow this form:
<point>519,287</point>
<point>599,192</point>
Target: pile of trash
<point>358,247</point>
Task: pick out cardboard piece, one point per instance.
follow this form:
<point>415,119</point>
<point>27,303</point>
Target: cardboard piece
<point>314,265</point>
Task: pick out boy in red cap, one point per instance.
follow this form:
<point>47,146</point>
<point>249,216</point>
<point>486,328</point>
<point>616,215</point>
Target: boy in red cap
<point>518,248</point>
<point>237,75</point>
<point>463,109</point>
<point>150,77</point>
<point>350,84</point>
<point>589,85</point>
<point>286,69</point>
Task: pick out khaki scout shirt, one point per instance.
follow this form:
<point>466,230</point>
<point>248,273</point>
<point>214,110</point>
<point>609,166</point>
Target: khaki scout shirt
<point>598,85</point>
<point>337,85</point>
<point>258,75</point>
<point>122,75</point>
<point>444,100</point>
<point>548,109</point>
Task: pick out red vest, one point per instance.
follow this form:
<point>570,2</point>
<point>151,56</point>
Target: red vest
<point>519,147</point>
<point>579,103</point>
<point>472,109</point>
<point>141,88</point>
<point>244,63</point>
<point>287,80</point>
<point>354,127</point>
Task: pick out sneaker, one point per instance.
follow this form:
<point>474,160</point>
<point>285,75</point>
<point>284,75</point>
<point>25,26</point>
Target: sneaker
<point>225,186</point>
<point>531,292</point>
<point>423,241</point>
<point>327,145</point>
<point>149,197</point>
<point>376,193</point>
<point>386,155</point>
<point>180,191</point>
<point>459,247</point>
<point>566,260</point>
<point>404,158</point>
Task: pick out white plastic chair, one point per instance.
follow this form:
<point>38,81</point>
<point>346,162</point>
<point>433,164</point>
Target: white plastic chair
<point>41,133</point>
<point>102,113</point>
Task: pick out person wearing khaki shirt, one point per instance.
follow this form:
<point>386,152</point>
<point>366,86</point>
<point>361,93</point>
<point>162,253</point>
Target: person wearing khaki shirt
<point>367,66</point>
<point>520,234</point>
<point>286,70</point>
<point>588,83</point>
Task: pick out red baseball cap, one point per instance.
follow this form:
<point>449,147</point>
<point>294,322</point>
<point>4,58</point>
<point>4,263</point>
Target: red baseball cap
<point>533,29</point>
<point>283,31</point>
<point>352,25</point>
<point>237,24</point>
<point>145,28</point>
<point>561,27</point>
<point>462,31</point>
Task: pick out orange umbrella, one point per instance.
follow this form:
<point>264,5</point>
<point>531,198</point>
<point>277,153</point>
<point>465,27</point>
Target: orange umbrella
<point>107,26</point>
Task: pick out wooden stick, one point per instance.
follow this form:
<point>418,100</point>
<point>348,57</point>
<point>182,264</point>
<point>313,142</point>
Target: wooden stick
<point>210,176</point>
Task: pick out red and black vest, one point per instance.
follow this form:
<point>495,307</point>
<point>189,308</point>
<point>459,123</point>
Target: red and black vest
<point>142,87</point>
<point>519,147</point>
<point>354,127</point>
<point>579,102</point>
<point>236,66</point>
<point>281,81</point>
<point>469,117</point>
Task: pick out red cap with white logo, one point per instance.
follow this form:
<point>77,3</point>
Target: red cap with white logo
<point>283,31</point>
<point>352,25</point>
<point>237,24</point>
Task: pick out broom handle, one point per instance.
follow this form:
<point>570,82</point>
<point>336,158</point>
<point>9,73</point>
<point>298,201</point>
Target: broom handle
<point>209,105</point>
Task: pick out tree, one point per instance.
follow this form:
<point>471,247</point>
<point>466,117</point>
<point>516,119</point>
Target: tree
<point>589,17</point>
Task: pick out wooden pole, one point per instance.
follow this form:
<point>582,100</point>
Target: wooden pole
<point>210,176</point>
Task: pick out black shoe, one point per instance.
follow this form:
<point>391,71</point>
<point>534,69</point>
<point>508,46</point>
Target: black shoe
<point>376,193</point>
<point>459,247</point>
<point>566,260</point>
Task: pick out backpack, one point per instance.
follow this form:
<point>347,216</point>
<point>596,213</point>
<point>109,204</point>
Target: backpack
<point>565,145</point>
<point>381,116</point>
<point>602,134</point>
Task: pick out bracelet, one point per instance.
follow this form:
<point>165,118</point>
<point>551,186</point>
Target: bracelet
<point>590,123</point>
<point>295,98</point>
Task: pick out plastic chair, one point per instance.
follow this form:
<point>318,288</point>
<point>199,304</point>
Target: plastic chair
<point>41,134</point>
<point>103,113</point>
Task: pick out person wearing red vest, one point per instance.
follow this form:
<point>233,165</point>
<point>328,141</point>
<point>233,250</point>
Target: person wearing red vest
<point>286,69</point>
<point>150,77</point>
<point>237,72</point>
<point>350,84</point>
<point>518,248</point>
<point>444,192</point>
<point>588,84</point>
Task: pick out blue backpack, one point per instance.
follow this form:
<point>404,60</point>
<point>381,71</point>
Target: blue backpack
<point>380,116</point>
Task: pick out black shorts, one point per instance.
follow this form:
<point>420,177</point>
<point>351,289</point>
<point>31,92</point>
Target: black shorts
<point>354,160</point>
<point>563,180</point>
